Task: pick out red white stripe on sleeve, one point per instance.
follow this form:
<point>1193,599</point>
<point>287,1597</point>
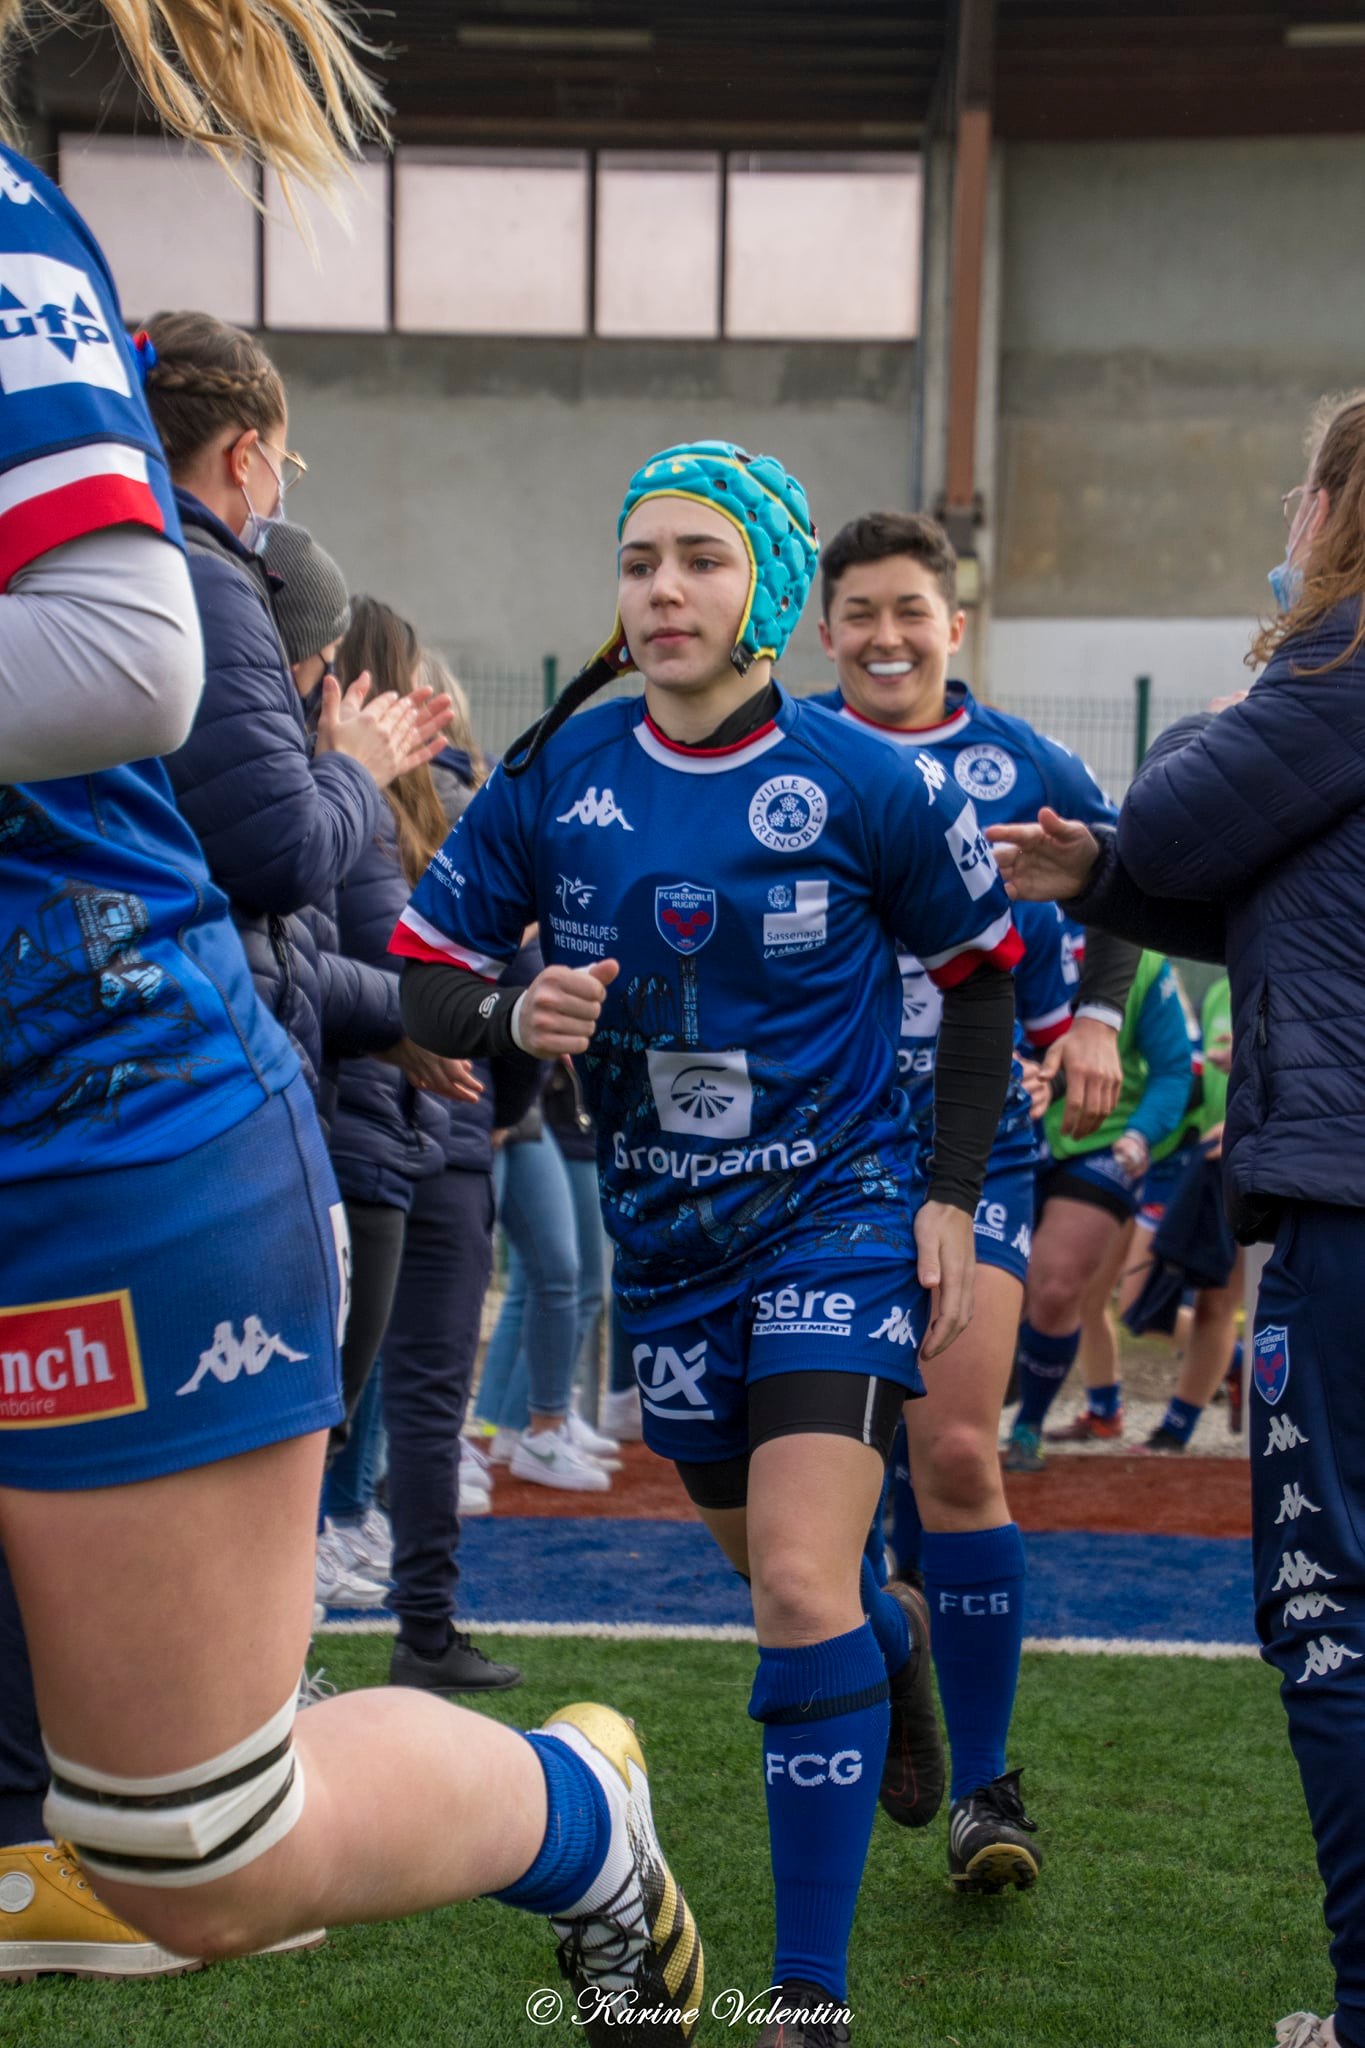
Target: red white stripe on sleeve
<point>416,938</point>
<point>1000,945</point>
<point>1046,1030</point>
<point>57,498</point>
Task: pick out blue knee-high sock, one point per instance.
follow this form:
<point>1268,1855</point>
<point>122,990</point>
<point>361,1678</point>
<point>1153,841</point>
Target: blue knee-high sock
<point>975,1588</point>
<point>907,1530</point>
<point>577,1833</point>
<point>1044,1363</point>
<point>825,1722</point>
<point>886,1619</point>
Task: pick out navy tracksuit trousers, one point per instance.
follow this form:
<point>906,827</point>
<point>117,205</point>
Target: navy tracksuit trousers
<point>1308,1493</point>
<point>23,1761</point>
<point>429,1352</point>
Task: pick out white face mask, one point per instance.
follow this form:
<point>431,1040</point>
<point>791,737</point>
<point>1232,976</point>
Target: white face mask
<point>256,532</point>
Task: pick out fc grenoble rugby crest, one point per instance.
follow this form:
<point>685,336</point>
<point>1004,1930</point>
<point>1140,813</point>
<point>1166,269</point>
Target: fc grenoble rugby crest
<point>685,915</point>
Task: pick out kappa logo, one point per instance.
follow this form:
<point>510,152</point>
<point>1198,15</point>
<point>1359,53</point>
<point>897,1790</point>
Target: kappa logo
<point>1293,1503</point>
<point>934,773</point>
<point>1285,1435</point>
<point>670,1381</point>
<point>802,929</point>
<point>52,328</point>
<point>1310,1607</point>
<point>702,1094</point>
<point>685,915</point>
<point>1324,1657</point>
<point>967,844</point>
<point>788,813</point>
<point>985,772</point>
<point>69,1361</point>
<point>1022,1241</point>
<point>229,1356</point>
<point>1298,1570</point>
<point>1270,1362</point>
<point>808,1769</point>
<point>592,809</point>
<point>898,1328</point>
<point>574,893</point>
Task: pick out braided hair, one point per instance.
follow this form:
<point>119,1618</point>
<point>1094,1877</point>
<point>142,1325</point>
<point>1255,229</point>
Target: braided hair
<point>206,376</point>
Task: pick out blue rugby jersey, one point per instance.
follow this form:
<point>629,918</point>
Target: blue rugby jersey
<point>129,1029</point>
<point>743,1073</point>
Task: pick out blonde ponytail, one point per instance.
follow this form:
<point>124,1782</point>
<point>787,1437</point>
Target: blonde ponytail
<point>278,82</point>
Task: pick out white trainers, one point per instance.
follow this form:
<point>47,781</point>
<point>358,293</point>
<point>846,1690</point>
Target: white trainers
<point>630,1941</point>
<point>366,1545</point>
<point>501,1445</point>
<point>1305,2030</point>
<point>619,1415</point>
<point>603,1450</point>
<point>551,1458</point>
<point>339,1583</point>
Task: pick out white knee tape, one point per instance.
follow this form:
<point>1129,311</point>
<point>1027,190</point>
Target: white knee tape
<point>187,1827</point>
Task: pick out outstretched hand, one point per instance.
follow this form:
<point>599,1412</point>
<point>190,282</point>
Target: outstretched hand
<point>1047,862</point>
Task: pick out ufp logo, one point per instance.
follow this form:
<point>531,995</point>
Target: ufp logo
<point>53,329</point>
<point>69,1361</point>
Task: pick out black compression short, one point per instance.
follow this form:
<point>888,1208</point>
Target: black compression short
<point>854,1404</point>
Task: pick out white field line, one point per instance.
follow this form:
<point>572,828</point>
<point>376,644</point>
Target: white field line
<point>671,1632</point>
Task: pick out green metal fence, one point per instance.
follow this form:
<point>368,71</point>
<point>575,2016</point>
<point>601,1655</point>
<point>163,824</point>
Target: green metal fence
<point>1111,733</point>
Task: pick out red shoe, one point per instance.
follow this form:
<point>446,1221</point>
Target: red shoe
<point>1087,1428</point>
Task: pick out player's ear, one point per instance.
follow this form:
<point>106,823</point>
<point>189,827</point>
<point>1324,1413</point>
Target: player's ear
<point>826,639</point>
<point>957,626</point>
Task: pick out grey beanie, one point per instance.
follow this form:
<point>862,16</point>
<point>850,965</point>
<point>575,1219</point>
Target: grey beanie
<point>314,607</point>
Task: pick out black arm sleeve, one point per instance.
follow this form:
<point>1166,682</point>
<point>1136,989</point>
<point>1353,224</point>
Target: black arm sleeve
<point>971,1079</point>
<point>1110,964</point>
<point>1113,900</point>
<point>454,1011</point>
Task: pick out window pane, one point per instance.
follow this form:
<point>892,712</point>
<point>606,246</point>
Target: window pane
<point>823,249</point>
<point>346,283</point>
<point>491,243</point>
<point>175,229</point>
<point>658,244</point>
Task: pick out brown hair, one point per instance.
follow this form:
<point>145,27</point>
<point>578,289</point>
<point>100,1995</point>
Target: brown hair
<point>379,640</point>
<point>1334,564</point>
<point>277,81</point>
<point>876,536</point>
<point>460,731</point>
<point>208,376</point>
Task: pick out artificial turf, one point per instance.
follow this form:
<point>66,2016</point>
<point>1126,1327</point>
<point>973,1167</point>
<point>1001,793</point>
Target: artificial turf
<point>1178,1907</point>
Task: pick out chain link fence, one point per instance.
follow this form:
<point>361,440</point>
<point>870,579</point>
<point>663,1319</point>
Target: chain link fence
<point>1110,733</point>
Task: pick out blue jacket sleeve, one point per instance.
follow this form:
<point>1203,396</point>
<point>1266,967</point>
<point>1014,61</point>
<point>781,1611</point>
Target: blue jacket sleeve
<point>277,831</point>
<point>1250,788</point>
<point>1163,1039</point>
<point>359,1007</point>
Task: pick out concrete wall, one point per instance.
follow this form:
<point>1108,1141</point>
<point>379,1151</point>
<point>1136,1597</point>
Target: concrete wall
<point>1170,314</point>
<point>476,484</point>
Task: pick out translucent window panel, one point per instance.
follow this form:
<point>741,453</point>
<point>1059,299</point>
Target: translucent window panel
<point>823,250</point>
<point>493,242</point>
<point>343,282</point>
<point>175,229</point>
<point>658,245</point>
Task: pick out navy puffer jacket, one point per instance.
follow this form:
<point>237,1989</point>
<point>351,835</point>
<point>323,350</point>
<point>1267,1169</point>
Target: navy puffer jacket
<point>278,831</point>
<point>386,1135</point>
<point>1244,838</point>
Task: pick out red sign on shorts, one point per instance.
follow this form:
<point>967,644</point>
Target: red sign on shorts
<point>69,1361</point>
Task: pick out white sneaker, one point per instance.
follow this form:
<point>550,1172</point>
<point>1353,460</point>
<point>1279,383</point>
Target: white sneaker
<point>501,1446</point>
<point>619,1415</point>
<point>339,1583</point>
<point>603,1450</point>
<point>366,1545</point>
<point>1305,2030</point>
<point>475,1464</point>
<point>550,1458</point>
<point>473,1500</point>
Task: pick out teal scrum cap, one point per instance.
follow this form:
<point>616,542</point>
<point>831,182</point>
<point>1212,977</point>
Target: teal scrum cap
<point>767,507</point>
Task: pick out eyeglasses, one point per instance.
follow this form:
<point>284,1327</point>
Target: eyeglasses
<point>1289,503</point>
<point>293,468</point>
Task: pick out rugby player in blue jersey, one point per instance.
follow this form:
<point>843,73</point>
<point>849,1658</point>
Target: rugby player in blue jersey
<point>723,878</point>
<point>173,1288</point>
<point>891,624</point>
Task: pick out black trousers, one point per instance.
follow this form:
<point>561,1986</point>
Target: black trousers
<point>429,1354</point>
<point>23,1761</point>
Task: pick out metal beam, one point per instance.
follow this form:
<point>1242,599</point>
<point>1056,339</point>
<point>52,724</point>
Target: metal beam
<point>971,173</point>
